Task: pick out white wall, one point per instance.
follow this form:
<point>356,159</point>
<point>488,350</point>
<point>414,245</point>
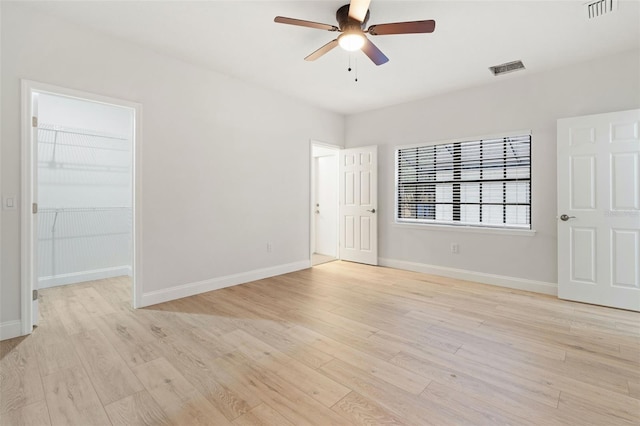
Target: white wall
<point>531,102</point>
<point>84,190</point>
<point>225,165</point>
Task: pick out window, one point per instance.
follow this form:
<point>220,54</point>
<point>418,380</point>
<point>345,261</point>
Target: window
<point>484,182</point>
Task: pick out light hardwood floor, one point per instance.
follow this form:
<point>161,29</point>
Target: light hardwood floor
<point>340,343</point>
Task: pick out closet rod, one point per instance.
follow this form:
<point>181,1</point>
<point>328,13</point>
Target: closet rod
<point>77,210</point>
<point>97,135</point>
<point>81,146</point>
<point>67,165</point>
<point>80,209</point>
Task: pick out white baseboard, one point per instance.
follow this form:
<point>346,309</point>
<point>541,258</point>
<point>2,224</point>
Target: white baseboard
<point>10,329</point>
<point>480,277</point>
<point>83,276</point>
<point>190,289</point>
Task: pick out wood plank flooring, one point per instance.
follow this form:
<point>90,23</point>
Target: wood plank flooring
<point>337,344</point>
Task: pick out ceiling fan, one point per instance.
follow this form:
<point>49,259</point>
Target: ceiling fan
<point>352,19</point>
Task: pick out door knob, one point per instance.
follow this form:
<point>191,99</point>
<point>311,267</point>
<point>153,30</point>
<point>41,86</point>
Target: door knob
<point>565,218</point>
<point>372,210</point>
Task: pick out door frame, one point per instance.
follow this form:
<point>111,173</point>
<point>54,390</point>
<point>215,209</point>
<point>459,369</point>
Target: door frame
<point>28,230</point>
<point>312,178</point>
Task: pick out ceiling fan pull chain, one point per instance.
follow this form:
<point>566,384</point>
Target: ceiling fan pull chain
<point>356,70</point>
<point>349,68</point>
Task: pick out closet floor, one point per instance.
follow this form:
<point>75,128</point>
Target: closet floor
<point>319,259</point>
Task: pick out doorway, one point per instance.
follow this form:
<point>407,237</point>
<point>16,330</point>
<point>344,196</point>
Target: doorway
<point>84,190</point>
<point>324,203</point>
<point>79,184</point>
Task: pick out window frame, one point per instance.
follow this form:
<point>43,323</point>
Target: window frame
<point>448,225</point>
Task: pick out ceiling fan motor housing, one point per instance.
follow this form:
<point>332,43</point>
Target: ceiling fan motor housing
<point>347,23</point>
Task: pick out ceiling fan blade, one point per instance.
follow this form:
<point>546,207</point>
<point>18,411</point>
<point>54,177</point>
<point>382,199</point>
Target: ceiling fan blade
<point>413,27</point>
<point>358,9</point>
<point>324,49</point>
<point>302,23</point>
<point>375,54</point>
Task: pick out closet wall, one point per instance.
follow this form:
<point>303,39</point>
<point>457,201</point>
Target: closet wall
<point>84,190</point>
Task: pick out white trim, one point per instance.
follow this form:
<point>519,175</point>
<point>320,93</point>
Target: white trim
<point>190,289</point>
<point>136,241</point>
<point>461,228</point>
<point>10,329</point>
<point>324,145</point>
<point>83,276</point>
<point>480,277</point>
<point>27,231</point>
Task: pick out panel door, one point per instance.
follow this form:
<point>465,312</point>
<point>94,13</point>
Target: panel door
<point>358,205</point>
<point>599,209</point>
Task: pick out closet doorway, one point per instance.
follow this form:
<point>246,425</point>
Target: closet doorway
<point>81,210</point>
<point>324,203</point>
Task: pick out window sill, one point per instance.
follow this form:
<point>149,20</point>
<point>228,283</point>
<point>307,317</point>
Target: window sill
<point>471,229</point>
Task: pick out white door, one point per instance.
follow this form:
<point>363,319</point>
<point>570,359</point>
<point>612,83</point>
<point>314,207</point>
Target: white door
<point>358,204</point>
<point>599,209</point>
<point>326,207</point>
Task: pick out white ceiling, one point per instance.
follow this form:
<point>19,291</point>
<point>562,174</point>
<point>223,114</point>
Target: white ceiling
<point>240,39</point>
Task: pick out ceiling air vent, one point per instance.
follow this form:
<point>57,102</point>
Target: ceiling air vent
<point>508,67</point>
<point>600,7</point>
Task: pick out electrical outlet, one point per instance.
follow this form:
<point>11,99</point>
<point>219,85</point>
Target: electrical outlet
<point>455,248</point>
<point>269,247</point>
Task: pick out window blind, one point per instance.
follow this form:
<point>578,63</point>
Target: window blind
<point>485,182</point>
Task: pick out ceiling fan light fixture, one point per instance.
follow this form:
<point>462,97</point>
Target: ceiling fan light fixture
<point>351,41</point>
